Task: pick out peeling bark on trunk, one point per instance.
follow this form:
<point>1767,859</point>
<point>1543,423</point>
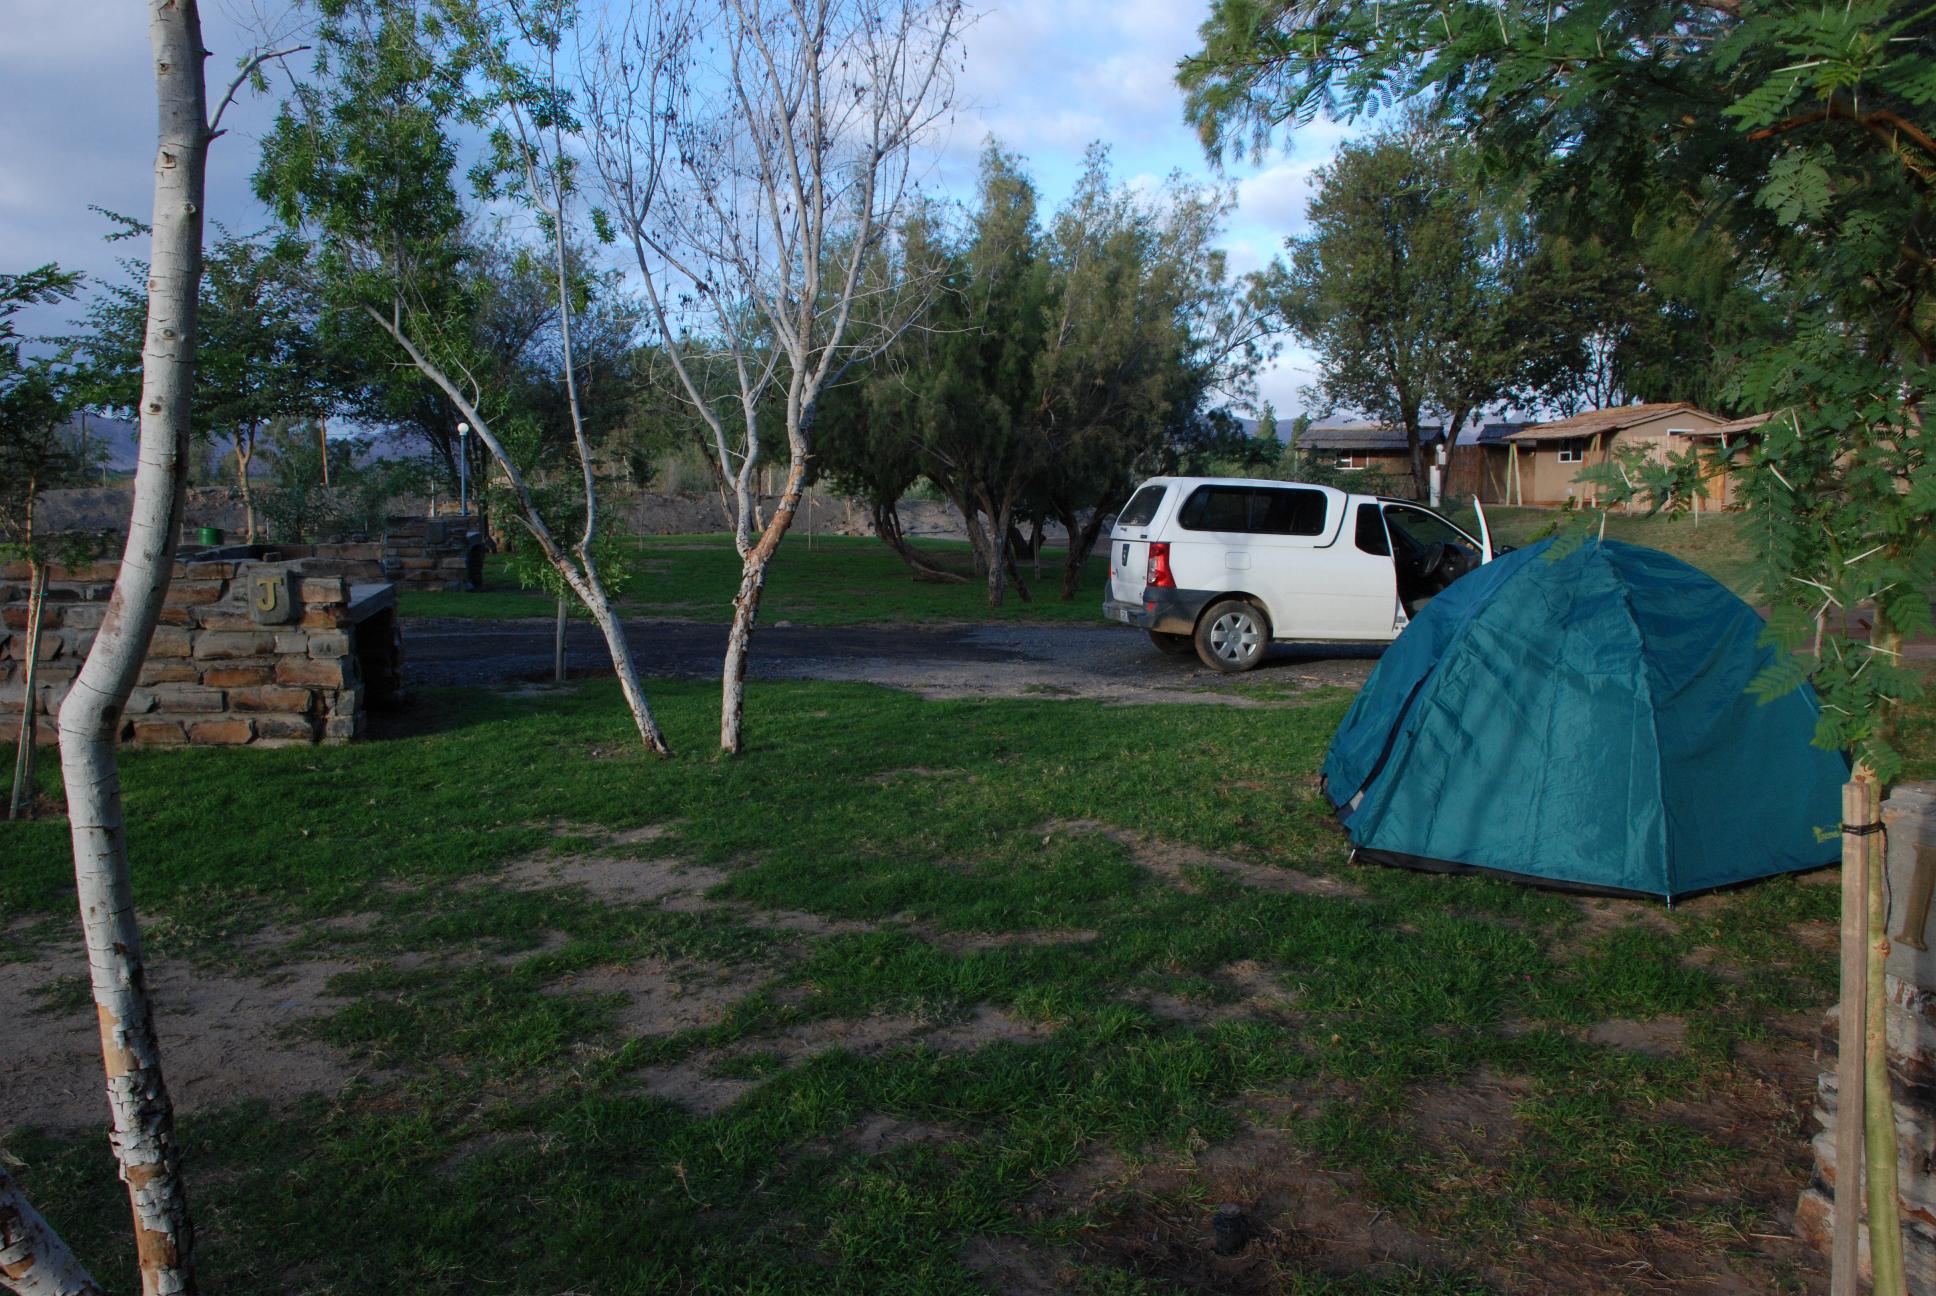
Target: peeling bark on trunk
<point>142,1119</point>
<point>33,1259</point>
<point>746,611</point>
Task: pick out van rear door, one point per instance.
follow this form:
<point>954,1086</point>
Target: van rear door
<point>1129,542</point>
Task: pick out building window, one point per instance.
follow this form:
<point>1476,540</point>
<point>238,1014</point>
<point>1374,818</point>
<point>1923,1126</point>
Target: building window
<point>1573,451</point>
<point>1350,463</point>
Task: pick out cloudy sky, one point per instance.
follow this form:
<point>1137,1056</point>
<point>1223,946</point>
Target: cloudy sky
<point>1046,77</point>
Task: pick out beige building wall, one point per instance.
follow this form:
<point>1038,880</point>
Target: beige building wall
<point>1545,479</point>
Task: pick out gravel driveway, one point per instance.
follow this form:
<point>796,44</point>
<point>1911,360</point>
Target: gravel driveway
<point>1113,663</point>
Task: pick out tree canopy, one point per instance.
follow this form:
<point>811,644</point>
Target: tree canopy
<point>1800,131</point>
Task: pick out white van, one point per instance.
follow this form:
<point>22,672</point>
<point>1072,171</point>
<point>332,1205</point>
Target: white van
<point>1225,565</point>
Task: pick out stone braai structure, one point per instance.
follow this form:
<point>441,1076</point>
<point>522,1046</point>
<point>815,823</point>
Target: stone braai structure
<point>414,553</point>
<point>1910,815</point>
<point>248,651</point>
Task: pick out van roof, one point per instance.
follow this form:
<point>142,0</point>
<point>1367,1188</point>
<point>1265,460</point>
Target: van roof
<point>1240,481</point>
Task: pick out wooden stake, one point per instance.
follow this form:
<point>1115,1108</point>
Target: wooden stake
<point>1879,1120</point>
<point>1844,1257</point>
<point>22,805</point>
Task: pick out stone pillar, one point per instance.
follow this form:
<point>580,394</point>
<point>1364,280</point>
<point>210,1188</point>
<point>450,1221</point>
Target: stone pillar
<point>1910,814</point>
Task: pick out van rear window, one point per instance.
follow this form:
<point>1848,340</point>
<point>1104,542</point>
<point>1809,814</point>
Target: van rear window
<point>1142,507</point>
<point>1257,510</point>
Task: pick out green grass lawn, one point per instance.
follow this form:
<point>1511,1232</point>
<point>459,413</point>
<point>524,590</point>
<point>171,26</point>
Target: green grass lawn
<point>1002,986</point>
<point>1719,544</point>
<point>837,580</point>
<point>844,580</point>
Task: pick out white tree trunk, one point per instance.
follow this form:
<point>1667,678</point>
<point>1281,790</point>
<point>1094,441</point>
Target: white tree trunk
<point>142,1119</point>
<point>746,609</point>
<point>33,1259</point>
<point>585,584</point>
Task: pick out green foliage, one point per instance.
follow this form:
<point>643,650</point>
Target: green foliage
<point>37,398</point>
<point>1409,291</point>
<point>1802,132</point>
<point>307,500</point>
<point>1667,481</point>
<point>1059,362</point>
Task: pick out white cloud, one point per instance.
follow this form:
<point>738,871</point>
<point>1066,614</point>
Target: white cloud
<point>1277,196</point>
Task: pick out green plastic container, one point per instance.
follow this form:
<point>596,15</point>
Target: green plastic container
<point>209,536</point>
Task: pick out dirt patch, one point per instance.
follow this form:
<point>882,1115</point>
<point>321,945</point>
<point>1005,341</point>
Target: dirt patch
<point>1257,989</point>
<point>1173,862</point>
<point>224,1038</point>
<point>1606,914</point>
<point>880,1133</point>
<point>1295,1217</point>
<point>791,920</point>
<point>1153,1220</point>
<point>1473,1117</point>
<point>986,1025</point>
<point>1016,1267</point>
<point>611,877</point>
<point>1657,1037</point>
<point>697,1092</point>
<point>661,998</point>
<point>886,777</point>
<point>968,942</point>
<point>693,1082</point>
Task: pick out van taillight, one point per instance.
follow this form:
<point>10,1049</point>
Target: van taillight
<point>1159,567</point>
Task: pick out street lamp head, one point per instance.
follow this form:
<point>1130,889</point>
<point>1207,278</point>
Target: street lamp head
<point>463,429</point>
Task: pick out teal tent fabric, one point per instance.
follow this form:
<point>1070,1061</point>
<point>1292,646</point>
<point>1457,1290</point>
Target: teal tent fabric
<point>1581,716</point>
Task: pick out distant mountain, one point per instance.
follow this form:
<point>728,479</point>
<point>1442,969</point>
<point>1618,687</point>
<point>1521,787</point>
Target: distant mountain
<point>117,442</point>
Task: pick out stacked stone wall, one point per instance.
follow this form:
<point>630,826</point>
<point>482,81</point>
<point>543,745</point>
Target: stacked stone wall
<point>246,653</point>
<point>414,553</point>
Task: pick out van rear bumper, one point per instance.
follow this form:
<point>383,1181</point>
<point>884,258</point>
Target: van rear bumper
<point>1166,611</point>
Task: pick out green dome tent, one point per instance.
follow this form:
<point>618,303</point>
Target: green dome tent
<point>1580,717</point>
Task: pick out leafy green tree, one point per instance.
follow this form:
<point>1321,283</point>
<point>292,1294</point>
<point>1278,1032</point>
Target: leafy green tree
<point>1054,367</point>
<point>35,401</point>
<point>364,160</point>
<point>257,359</point>
<point>1400,289</point>
<point>318,490</point>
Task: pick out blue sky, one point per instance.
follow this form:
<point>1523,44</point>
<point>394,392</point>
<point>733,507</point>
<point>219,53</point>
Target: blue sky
<point>1046,78</point>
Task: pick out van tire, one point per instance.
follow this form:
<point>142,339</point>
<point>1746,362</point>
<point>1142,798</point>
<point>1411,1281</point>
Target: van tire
<point>1176,645</point>
<point>1232,635</point>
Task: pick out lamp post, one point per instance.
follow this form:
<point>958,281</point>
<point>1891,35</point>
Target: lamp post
<point>464,469</point>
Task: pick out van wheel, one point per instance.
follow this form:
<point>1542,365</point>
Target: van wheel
<point>1232,636</point>
<point>1176,645</point>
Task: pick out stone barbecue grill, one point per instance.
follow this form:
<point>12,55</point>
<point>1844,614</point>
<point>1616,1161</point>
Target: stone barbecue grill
<point>250,650</point>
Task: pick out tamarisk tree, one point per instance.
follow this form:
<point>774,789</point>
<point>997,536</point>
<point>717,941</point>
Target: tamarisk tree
<point>363,157</point>
<point>757,156</point>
